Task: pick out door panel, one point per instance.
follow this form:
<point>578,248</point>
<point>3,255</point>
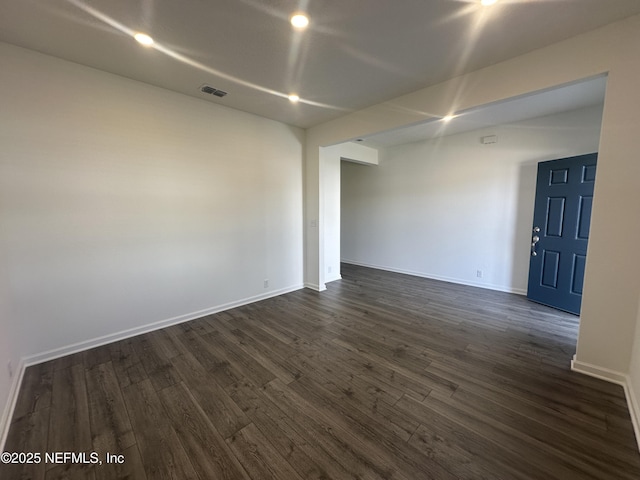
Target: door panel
<point>584,217</point>
<point>555,216</point>
<point>579,261</point>
<point>550,268</point>
<point>561,221</point>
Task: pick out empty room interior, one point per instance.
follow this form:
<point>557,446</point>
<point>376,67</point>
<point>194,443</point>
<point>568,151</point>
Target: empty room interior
<point>247,239</point>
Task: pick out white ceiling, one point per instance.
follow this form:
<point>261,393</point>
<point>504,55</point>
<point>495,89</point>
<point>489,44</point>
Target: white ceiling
<point>356,53</point>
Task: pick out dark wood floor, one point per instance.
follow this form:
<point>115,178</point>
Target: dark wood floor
<point>382,376</point>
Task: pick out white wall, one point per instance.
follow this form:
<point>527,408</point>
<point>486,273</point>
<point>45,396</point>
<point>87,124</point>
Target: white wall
<point>123,205</point>
<point>448,207</point>
<point>358,153</point>
<point>331,215</point>
<point>331,159</point>
<point>8,349</point>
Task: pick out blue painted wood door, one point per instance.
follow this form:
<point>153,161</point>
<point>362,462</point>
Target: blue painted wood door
<point>560,233</point>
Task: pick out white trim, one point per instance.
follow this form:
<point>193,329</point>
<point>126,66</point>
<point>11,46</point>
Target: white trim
<point>333,278</point>
<point>315,286</point>
<point>459,281</point>
<point>598,372</point>
<point>618,378</point>
<point>29,360</point>
<point>634,408</point>
<point>5,420</point>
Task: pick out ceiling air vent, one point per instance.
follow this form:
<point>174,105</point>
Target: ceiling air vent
<point>212,91</point>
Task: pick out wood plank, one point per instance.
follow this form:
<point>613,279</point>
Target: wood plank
<point>300,445</point>
<point>510,448</point>
<point>370,403</point>
<point>162,452</point>
<point>126,363</point>
<point>209,454</point>
<point>165,345</point>
<point>396,458</point>
<point>221,410</point>
<point>195,344</point>
<point>600,459</point>
<point>247,365</point>
<point>28,433</point>
<point>71,471</point>
<point>484,382</point>
<point>68,430</point>
<point>96,356</point>
<point>36,389</point>
<point>358,456</point>
<point>261,353</point>
<point>68,361</point>
<point>132,468</point>
<point>159,369</point>
<point>259,457</point>
<point>111,429</point>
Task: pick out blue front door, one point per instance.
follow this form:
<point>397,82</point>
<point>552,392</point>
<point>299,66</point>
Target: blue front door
<point>561,221</point>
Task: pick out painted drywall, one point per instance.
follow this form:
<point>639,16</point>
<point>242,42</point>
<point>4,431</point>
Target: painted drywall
<point>123,205</point>
<point>449,207</point>
<point>612,285</point>
<point>331,159</point>
<point>9,353</point>
<point>331,164</point>
<point>358,153</point>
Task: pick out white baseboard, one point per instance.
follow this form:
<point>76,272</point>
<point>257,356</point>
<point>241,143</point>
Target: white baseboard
<point>5,420</point>
<point>634,408</point>
<point>598,372</point>
<point>315,286</point>
<point>113,337</point>
<point>499,288</point>
<point>618,378</point>
<point>333,278</point>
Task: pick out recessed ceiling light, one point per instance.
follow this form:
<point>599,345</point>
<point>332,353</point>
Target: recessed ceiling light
<point>143,39</point>
<point>486,3</point>
<point>299,20</point>
<point>448,118</point>
<point>293,98</point>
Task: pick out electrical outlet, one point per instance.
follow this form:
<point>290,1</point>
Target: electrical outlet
<point>479,273</point>
<point>329,269</point>
<point>10,368</point>
<point>266,283</point>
